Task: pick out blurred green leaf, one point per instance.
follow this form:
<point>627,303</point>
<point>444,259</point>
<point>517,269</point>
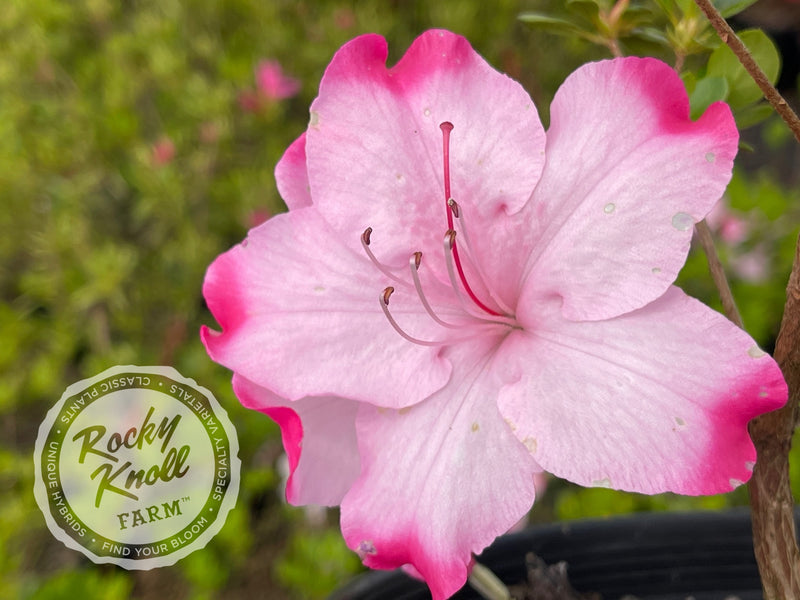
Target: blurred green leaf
<point>86,584</point>
<point>707,91</point>
<point>753,114</point>
<point>551,24</point>
<point>728,8</point>
<point>585,9</point>
<point>723,63</point>
<point>315,563</point>
<point>686,6</point>
<point>651,34</point>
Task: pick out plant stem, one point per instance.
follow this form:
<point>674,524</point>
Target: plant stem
<point>487,584</point>
<point>772,95</point>
<point>774,536</point>
<point>718,273</point>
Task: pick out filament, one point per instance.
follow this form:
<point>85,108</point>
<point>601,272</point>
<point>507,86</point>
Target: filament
<point>365,241</point>
<point>414,263</point>
<point>383,299</point>
<point>459,214</point>
<point>384,302</point>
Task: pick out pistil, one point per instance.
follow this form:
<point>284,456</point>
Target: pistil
<point>450,205</point>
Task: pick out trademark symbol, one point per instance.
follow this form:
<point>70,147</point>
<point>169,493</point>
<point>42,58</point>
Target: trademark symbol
<point>185,499</point>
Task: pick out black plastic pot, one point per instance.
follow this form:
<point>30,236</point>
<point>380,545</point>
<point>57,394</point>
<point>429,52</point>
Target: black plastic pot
<point>667,556</point>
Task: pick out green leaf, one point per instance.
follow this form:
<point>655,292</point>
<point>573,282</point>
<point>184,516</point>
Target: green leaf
<point>728,8</point>
<point>587,9</point>
<point>650,34</point>
<point>722,62</point>
<point>689,81</point>
<point>552,24</point>
<point>686,5</point>
<point>752,115</point>
<point>707,91</point>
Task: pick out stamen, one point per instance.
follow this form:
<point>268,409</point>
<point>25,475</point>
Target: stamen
<point>384,301</point>
<point>365,241</point>
<point>449,244</point>
<point>414,262</point>
<point>451,239</point>
<point>468,248</point>
<point>453,206</point>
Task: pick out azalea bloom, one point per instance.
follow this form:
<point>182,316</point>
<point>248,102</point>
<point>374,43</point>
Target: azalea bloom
<point>163,151</point>
<point>273,83</point>
<point>729,225</point>
<point>456,300</point>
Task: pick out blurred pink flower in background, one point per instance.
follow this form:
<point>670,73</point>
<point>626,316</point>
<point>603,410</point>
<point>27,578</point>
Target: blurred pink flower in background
<point>732,227</point>
<point>344,18</point>
<point>752,267</point>
<point>249,101</point>
<point>163,151</point>
<point>273,83</point>
<point>257,217</point>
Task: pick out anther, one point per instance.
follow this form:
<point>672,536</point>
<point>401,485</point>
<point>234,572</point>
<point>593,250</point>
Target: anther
<point>365,237</point>
<point>384,302</point>
<point>453,206</point>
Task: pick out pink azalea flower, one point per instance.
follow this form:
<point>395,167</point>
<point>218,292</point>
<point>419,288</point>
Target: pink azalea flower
<point>729,226</point>
<point>163,151</point>
<point>753,266</point>
<point>273,83</point>
<point>533,324</point>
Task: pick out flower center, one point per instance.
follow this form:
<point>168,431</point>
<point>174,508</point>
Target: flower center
<point>476,313</point>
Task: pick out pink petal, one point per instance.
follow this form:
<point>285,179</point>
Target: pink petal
<point>656,400</point>
<point>627,176</point>
<point>300,316</point>
<point>319,437</point>
<point>375,148</point>
<point>440,480</point>
<point>291,175</point>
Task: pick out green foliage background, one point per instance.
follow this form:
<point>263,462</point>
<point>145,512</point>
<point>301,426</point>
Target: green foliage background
<point>103,249</point>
